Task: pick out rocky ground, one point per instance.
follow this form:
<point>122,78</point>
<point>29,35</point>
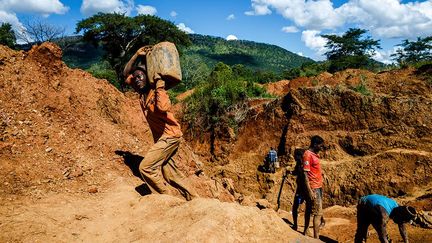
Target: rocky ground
<point>70,146</point>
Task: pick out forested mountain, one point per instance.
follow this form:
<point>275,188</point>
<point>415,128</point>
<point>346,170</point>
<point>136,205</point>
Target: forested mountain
<point>256,56</point>
<point>80,54</point>
<point>253,55</point>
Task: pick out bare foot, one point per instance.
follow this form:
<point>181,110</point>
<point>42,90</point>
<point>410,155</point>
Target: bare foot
<point>322,223</point>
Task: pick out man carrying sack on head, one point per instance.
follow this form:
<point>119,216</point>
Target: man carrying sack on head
<point>158,165</point>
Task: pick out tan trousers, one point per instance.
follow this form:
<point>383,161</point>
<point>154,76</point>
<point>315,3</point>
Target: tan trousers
<point>158,166</point>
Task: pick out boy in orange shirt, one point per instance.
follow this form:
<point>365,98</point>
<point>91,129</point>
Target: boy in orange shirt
<point>158,164</point>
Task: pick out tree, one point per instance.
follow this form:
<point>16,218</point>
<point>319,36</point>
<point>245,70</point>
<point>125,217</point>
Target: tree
<point>38,31</point>
<point>121,36</point>
<point>194,72</point>
<point>7,35</point>
<point>266,76</point>
<point>306,70</point>
<point>414,51</point>
<point>350,50</point>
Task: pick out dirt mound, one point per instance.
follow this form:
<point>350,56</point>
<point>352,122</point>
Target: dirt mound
<point>277,88</point>
<point>400,82</point>
<point>64,131</point>
<point>47,54</point>
<point>121,215</point>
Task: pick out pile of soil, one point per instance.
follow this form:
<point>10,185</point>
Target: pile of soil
<point>277,88</point>
<point>60,127</point>
<point>408,81</point>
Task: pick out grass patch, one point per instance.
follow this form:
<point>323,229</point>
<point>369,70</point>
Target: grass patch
<point>362,87</point>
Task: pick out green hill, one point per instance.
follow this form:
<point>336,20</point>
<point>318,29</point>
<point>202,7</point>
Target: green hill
<point>253,55</point>
<point>80,54</point>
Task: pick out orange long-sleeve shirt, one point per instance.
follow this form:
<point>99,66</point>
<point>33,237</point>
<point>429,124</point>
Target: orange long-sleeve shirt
<point>156,107</point>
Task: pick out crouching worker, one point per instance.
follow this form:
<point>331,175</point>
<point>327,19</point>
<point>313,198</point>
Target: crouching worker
<point>376,210</point>
<point>158,165</point>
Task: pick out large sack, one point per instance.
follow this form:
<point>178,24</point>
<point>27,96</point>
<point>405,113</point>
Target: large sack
<point>163,61</point>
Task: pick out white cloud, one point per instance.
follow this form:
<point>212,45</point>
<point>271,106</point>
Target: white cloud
<point>173,14</point>
<point>290,29</point>
<point>314,41</point>
<point>12,19</point>
<point>9,8</point>
<point>300,54</point>
<point>90,7</point>
<point>231,37</point>
<point>385,18</point>
<point>385,56</point>
<point>230,17</point>
<point>259,8</point>
<point>17,26</point>
<point>391,18</point>
<point>184,28</point>
<point>314,15</point>
<point>146,10</point>
<point>308,14</point>
<point>44,7</point>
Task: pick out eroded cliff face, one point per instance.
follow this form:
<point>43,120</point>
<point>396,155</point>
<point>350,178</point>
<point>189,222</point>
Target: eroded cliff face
<point>379,138</point>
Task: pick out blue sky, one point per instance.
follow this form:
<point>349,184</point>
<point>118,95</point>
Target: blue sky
<point>295,25</point>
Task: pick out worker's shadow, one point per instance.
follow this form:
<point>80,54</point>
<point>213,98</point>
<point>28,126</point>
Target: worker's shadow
<point>133,161</point>
<point>261,168</point>
<point>321,237</point>
<point>327,239</point>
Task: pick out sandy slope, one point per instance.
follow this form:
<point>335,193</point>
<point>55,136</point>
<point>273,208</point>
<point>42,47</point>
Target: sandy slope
<point>122,215</point>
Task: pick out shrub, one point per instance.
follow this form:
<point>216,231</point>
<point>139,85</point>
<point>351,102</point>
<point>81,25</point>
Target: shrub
<point>306,70</point>
<point>362,87</point>
<point>209,106</point>
<point>173,96</point>
<point>7,35</point>
<point>424,70</point>
<point>103,70</point>
<point>423,64</point>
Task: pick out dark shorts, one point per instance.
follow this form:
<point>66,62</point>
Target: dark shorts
<point>316,204</point>
<point>299,198</point>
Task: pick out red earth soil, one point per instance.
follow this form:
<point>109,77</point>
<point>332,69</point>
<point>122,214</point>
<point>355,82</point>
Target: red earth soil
<point>70,145</point>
